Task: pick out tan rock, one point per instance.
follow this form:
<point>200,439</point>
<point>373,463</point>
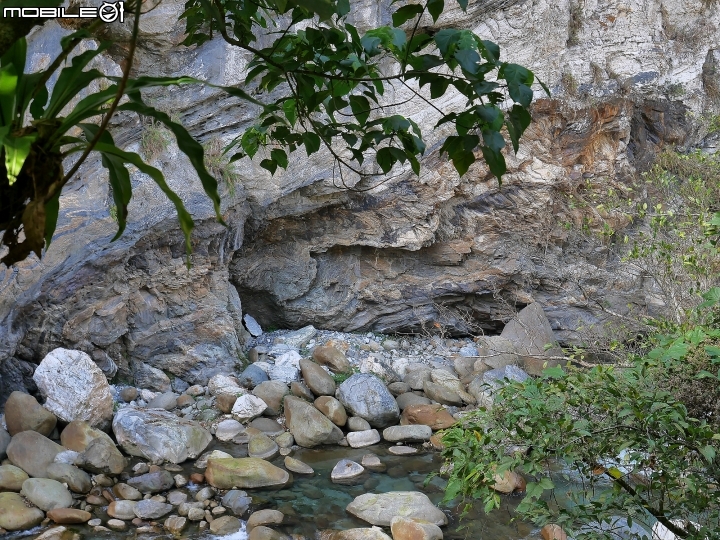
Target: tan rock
<point>244,473</point>
<point>414,529</point>
<point>333,409</point>
<point>15,515</point>
<point>264,517</point>
<point>553,532</point>
<point>435,416</point>
<point>78,434</point>
<point>69,516</point>
<point>332,358</point>
<point>24,413</point>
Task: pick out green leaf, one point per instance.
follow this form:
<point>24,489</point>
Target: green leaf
<point>493,140</point>
<point>324,9</point>
<point>518,120</point>
<point>709,453</point>
<point>439,86</point>
<point>468,59</point>
<point>279,156</point>
<point>343,7</point>
<point>463,4</point>
<point>17,149</point>
<point>462,161</point>
<point>435,8</point>
<point>556,372</point>
<point>712,351</point>
<point>312,142</point>
<point>406,13</point>
<point>386,159</point>
<point>361,108</point>
<point>711,297</point>
<point>495,160</point>
<point>290,109</point>
<point>445,38</point>
<point>8,84</point>
<point>269,164</point>
<point>520,93</point>
<point>491,51</point>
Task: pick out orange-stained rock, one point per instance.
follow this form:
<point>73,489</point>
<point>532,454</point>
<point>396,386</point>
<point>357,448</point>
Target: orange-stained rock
<point>553,532</point>
<point>435,416</point>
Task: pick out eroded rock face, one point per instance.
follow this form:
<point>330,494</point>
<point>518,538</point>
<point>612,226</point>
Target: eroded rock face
<point>301,250</point>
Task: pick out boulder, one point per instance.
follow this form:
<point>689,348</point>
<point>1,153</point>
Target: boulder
<point>297,466</point>
<point>441,394</point>
<point>149,509</point>
<point>366,396</point>
<point>151,378</point>
<point>317,379</point>
<point>309,426</point>
<point>244,473</point>
<point>500,352</point>
<point>380,509</point>
<point>403,528</point>
<point>252,325</point>
<point>78,434</point>
<point>286,368</point>
<point>102,457</point>
<point>225,525</point>
<point>122,509</point>
<point>300,390</point>
<point>202,461</point>
<point>159,435</point>
<point>264,517</point>
<point>237,501</point>
<point>346,469</point>
<point>530,332</point>
<point>272,393</point>
<point>12,478</point>
<point>268,426</point>
<point>555,532</point>
<point>74,387</point>
<point>126,492</point>
<point>227,430</point>
<point>175,525</point>
<point>24,413</point>
<point>398,388</point>
<point>332,358</point>
<point>15,515</point>
<point>266,533</point>
<point>33,453</point>
<point>361,439</point>
<point>355,423</point>
<point>46,494</point>
<point>76,480</point>
<point>374,533</point>
<point>435,416</point>
<point>225,402</point>
<point>247,407</point>
<point>403,450</point>
<point>223,384</point>
<point>252,376</point>
<point>333,409</point>
<point>167,401</point>
<point>508,482</point>
<point>152,482</point>
<point>263,447</point>
<point>451,383</point>
<point>416,376</point>
<point>409,433</point>
<point>297,339</point>
<point>69,516</point>
<point>405,400</point>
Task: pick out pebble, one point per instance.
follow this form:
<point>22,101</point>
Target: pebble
<point>402,450</point>
<point>116,524</point>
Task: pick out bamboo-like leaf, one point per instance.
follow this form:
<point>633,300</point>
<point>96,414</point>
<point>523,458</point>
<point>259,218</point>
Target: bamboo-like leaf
<point>17,149</point>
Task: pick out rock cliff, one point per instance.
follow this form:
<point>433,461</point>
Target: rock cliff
<point>627,78</point>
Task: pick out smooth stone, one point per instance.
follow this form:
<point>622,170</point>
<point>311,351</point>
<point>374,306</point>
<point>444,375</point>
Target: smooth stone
<point>77,480</point>
<point>175,524</point>
<point>247,407</point>
<point>69,516</point>
<point>225,402</point>
<point>46,494</point>
<point>185,401</point>
<point>32,453</point>
<point>264,517</point>
<point>297,466</point>
<point>285,440</point>
<point>202,462</point>
<point>509,482</point>
<point>414,433</point>
<point>225,525</point>
<point>441,394</point>
<point>224,384</point>
<point>299,389</point>
<point>122,509</point>
<point>372,462</point>
<point>12,478</point>
<point>333,358</point>
<point>128,394</point>
<point>268,426</point>
<point>15,515</point>
<point>252,376</point>
<point>333,409</point>
<point>402,450</point>
<point>346,469</point>
<point>204,494</point>
<point>237,501</point>
<point>272,393</point>
<point>552,531</point>
<point>74,387</point>
<point>403,528</point>
<point>309,426</point>
<point>435,416</point>
<point>78,434</point>
<point>116,524</point>
<point>374,533</point>
<point>167,401</point>
<point>159,435</point>
<point>176,498</point>
<point>24,413</point>
<point>58,533</point>
<point>152,482</point>
<point>228,430</point>
<point>366,396</point>
<point>379,509</point>
<point>263,447</point>
<point>416,378</point>
<point>126,492</point>
<point>398,388</point>
<point>405,400</point>
<point>266,533</point>
<point>360,439</point>
<point>252,326</point>
<point>244,473</point>
<point>355,423</point>
<point>317,379</point>
<point>102,456</point>
<point>297,339</point>
<point>149,509</point>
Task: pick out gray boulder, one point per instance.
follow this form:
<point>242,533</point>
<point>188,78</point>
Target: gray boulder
<point>380,509</point>
<point>309,426</point>
<point>237,501</point>
<point>32,453</point>
<point>102,456</point>
<point>411,433</point>
<point>366,396</point>
<point>76,479</point>
<point>159,435</point>
<point>317,379</point>
<point>530,332</point>
<point>252,376</point>
<point>46,494</point>
<point>272,393</point>
<point>152,482</point>
<point>149,509</point>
